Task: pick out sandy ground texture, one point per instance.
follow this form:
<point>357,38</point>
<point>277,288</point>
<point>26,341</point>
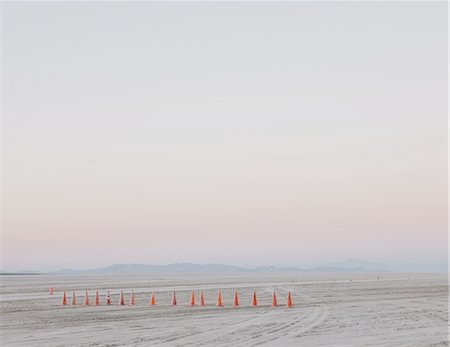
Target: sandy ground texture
<point>346,309</point>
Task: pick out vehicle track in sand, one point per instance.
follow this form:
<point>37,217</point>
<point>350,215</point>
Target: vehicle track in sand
<point>272,325</point>
<point>225,326</point>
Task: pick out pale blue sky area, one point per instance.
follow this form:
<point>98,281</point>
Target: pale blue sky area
<point>242,133</point>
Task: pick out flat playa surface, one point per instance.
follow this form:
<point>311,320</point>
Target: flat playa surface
<point>339,309</point>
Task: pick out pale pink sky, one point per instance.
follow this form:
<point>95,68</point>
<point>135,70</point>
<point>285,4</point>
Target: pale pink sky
<point>239,133</point>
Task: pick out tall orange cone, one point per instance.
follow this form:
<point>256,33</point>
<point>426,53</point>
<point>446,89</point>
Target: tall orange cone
<point>152,299</point>
<point>86,298</point>
<point>289,300</point>
<point>254,302</point>
<point>235,301</point>
<point>97,298</point>
<point>64,299</point>
<point>274,300</point>
<point>108,299</point>
<point>219,299</point>
<point>121,299</point>
<point>74,298</point>
<point>132,298</point>
<point>202,299</point>
<point>174,299</point>
<point>50,291</point>
<point>192,301</point>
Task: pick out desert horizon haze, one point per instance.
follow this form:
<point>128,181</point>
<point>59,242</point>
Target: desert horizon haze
<point>348,266</point>
<point>239,133</point>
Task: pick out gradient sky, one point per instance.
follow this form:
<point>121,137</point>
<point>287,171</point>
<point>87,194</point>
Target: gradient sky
<point>241,133</point>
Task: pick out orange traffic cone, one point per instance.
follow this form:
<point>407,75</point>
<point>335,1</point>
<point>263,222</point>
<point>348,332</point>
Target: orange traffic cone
<point>152,299</point>
<point>235,301</point>
<point>289,300</point>
<point>202,299</point>
<point>254,303</point>
<point>274,300</point>
<point>174,299</point>
<point>108,299</point>
<point>132,298</point>
<point>64,299</point>
<point>121,299</point>
<point>74,298</point>
<point>50,291</point>
<point>192,301</point>
<point>219,299</point>
<point>86,298</point>
<point>97,299</point>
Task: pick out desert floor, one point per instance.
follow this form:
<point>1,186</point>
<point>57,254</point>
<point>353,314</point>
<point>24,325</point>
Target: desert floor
<point>330,309</point>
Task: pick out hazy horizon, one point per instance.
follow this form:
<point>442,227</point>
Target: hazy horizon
<point>350,264</point>
<point>237,133</point>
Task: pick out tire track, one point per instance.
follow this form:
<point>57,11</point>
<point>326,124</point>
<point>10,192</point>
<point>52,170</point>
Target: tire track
<point>293,328</point>
<point>226,327</point>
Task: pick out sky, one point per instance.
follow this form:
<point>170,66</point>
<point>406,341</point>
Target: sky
<point>242,133</point>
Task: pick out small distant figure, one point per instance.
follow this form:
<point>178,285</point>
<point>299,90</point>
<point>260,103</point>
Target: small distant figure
<point>108,299</point>
<point>202,299</point>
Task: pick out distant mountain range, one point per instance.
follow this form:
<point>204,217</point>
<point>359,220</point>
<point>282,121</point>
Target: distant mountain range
<point>365,265</point>
<point>177,267</point>
<point>350,265</point>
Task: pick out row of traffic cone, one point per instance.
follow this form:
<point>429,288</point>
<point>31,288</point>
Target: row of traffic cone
<point>97,299</point>
<point>174,299</point>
